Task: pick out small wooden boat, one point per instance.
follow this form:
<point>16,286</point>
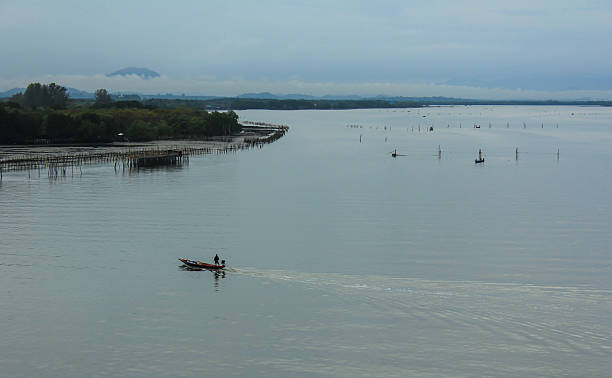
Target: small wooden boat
<point>395,154</point>
<point>480,158</point>
<point>192,264</point>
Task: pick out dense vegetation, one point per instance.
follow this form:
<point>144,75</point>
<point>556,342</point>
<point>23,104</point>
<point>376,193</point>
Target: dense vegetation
<point>45,120</point>
<point>37,95</point>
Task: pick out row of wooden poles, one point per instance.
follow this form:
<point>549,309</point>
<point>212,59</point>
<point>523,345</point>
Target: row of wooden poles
<point>274,133</point>
<point>258,123</point>
<point>480,158</point>
<point>430,127</point>
<point>132,158</point>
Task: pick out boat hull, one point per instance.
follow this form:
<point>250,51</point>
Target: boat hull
<point>192,264</point>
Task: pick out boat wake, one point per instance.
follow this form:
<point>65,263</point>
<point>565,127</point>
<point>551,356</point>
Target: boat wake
<point>389,284</point>
<point>563,318</point>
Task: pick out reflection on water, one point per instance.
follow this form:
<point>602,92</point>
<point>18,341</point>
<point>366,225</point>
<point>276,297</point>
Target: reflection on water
<point>180,164</point>
<point>217,276</point>
<point>216,273</point>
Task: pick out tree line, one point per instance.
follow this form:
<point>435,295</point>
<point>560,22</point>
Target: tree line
<point>41,115</point>
<point>37,95</point>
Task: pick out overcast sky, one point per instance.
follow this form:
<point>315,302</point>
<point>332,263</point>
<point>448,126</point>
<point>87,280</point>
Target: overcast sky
<point>535,49</point>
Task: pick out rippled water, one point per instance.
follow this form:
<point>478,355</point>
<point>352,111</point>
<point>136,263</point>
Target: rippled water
<point>344,261</point>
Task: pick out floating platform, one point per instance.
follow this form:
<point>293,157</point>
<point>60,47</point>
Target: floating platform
<point>169,157</point>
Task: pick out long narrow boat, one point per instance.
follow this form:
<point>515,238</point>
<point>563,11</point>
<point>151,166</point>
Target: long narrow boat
<point>192,264</point>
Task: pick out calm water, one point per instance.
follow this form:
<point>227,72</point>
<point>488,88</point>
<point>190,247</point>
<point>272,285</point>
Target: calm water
<point>345,261</point>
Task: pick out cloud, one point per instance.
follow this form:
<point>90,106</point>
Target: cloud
<point>315,41</point>
<point>208,85</point>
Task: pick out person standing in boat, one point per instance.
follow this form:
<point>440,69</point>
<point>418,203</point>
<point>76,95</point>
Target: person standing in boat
<point>216,259</point>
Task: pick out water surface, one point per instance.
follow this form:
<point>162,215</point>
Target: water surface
<point>344,261</point>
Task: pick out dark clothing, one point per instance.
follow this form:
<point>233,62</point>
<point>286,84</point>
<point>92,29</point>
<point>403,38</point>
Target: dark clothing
<point>216,260</point>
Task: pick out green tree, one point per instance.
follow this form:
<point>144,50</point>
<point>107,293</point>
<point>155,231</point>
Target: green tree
<point>33,95</point>
<point>60,126</point>
<point>56,96</point>
<point>102,98</point>
<point>51,95</point>
<point>17,98</point>
<point>163,130</point>
<point>141,130</point>
<point>222,123</point>
<point>18,126</point>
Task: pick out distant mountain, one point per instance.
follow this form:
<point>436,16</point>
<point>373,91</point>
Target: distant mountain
<point>170,96</point>
<point>343,97</point>
<point>11,92</point>
<point>432,99</point>
<point>272,96</point>
<point>264,95</point>
<point>72,92</point>
<point>77,93</point>
<point>144,73</point>
<point>296,96</point>
<point>118,96</point>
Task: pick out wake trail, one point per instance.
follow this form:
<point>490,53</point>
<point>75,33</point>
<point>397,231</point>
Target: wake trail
<point>563,318</point>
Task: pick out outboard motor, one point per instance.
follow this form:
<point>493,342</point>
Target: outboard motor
<point>222,262</point>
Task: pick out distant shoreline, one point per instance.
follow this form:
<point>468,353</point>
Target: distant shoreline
<point>402,102</point>
<point>239,103</point>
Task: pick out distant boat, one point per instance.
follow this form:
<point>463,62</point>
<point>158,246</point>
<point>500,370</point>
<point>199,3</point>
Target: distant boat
<point>192,264</point>
<point>395,154</point>
<point>480,158</point>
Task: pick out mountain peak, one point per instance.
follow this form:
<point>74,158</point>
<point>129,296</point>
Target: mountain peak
<point>144,73</point>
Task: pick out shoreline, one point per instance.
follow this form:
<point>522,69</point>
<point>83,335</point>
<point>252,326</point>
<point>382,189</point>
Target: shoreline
<point>36,156</point>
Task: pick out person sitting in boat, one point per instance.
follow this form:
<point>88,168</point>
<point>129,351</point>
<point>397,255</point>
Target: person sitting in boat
<point>216,259</point>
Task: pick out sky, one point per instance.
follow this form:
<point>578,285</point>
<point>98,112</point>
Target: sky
<point>474,49</point>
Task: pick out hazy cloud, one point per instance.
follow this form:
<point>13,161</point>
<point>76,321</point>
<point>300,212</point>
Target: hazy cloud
<point>550,46</point>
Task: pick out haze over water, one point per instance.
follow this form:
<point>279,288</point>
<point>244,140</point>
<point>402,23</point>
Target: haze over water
<point>344,260</point>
